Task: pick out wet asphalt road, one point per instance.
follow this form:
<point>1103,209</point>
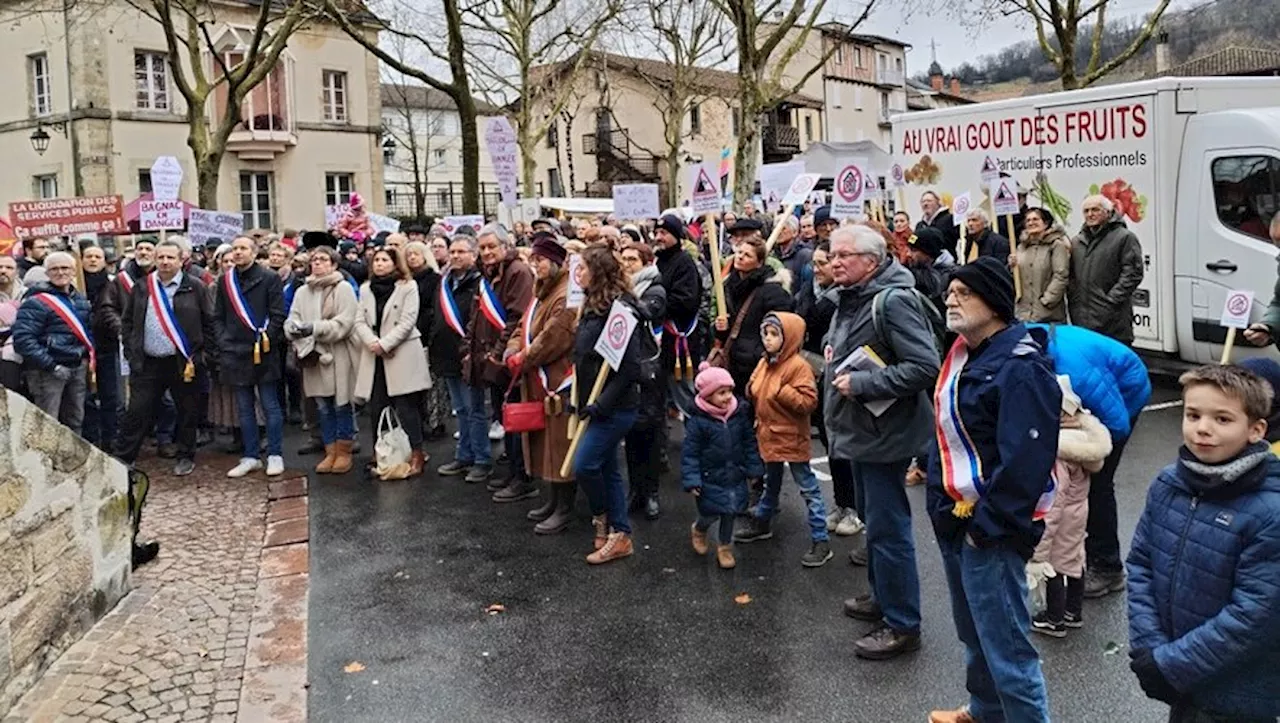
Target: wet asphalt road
<point>401,574</point>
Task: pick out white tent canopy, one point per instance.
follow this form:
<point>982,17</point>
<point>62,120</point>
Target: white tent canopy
<point>578,206</point>
<point>828,158</point>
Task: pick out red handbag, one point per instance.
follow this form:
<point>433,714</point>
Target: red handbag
<point>520,417</point>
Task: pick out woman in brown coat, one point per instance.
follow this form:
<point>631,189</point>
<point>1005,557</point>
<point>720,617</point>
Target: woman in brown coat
<point>539,356</point>
<point>1044,263</point>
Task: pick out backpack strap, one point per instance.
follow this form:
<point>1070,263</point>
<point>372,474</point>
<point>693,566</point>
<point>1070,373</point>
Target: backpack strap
<point>879,304</point>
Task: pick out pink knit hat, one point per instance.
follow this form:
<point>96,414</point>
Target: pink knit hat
<point>711,379</point>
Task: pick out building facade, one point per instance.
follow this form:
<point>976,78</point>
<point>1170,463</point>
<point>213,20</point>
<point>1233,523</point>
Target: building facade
<point>98,82</point>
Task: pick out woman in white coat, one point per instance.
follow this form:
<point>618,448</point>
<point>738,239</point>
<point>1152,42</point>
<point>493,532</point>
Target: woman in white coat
<point>320,326</point>
<point>393,367</point>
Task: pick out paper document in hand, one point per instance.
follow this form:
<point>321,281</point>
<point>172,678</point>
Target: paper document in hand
<point>865,359</point>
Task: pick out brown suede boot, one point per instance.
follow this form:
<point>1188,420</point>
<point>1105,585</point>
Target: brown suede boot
<point>417,461</point>
<point>325,466</point>
<point>724,557</point>
<point>699,538</point>
<point>617,545</point>
<point>952,716</point>
<point>602,531</point>
<point>341,457</point>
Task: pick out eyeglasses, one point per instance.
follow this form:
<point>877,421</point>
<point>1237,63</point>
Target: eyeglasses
<point>842,255</point>
<point>56,269</point>
<point>962,294</point>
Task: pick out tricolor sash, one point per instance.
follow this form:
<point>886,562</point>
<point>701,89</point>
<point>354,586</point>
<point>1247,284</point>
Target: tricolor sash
<point>681,337</point>
<point>240,306</point>
<point>126,281</point>
<point>449,308</point>
<point>162,305</point>
<point>63,310</point>
<point>491,307</point>
<point>963,478</point>
<point>542,371</point>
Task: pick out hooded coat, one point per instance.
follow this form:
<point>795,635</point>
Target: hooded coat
<point>1080,453</point>
<point>549,350</point>
<point>1106,268</point>
<point>718,458</point>
<point>784,394</point>
<point>772,293</point>
<point>1044,263</point>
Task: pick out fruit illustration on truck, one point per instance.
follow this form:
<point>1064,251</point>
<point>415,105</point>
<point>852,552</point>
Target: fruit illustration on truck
<point>1121,195</point>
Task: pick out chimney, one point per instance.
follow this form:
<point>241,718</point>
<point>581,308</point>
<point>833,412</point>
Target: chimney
<point>935,81</point>
<point>955,86</point>
<point>1162,53</point>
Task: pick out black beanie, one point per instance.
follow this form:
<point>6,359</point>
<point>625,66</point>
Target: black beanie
<point>991,280</point>
<point>672,225</point>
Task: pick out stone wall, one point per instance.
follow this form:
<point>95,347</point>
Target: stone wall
<point>65,541</point>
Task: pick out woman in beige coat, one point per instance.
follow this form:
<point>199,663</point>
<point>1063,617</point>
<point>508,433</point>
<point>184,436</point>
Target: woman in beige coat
<point>393,367</point>
<point>319,325</point>
<point>1043,259</point>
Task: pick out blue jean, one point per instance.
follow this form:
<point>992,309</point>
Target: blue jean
<point>337,421</point>
<point>102,408</point>
<point>809,489</point>
<point>988,603</point>
<point>598,471</point>
<point>891,548</point>
<point>473,422</point>
<point>269,397</point>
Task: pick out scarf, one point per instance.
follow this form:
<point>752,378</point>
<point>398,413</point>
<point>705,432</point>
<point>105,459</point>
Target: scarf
<point>323,282</point>
<point>94,281</point>
<point>381,287</point>
<point>643,279</point>
<point>720,413</point>
<point>1236,476</point>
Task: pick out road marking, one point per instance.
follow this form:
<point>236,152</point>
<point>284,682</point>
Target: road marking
<point>822,476</point>
<point>1162,405</point>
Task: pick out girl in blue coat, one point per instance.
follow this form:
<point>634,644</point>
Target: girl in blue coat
<point>719,457</point>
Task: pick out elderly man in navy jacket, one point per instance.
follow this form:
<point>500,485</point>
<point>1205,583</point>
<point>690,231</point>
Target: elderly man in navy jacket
<point>53,336</point>
<point>997,409</point>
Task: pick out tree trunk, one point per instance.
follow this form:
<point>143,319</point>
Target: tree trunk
<point>208,167</point>
<point>673,176</point>
<point>1067,66</point>
<point>568,152</point>
<point>528,163</point>
<point>744,167</point>
<point>466,109</point>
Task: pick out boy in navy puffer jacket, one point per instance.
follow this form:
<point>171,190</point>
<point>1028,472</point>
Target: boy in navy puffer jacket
<point>1204,568</point>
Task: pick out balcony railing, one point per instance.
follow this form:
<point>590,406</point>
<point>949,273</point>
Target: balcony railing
<point>780,139</point>
<point>613,147</point>
<point>895,78</point>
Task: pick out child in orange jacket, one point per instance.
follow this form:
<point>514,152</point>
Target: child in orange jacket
<point>784,394</point>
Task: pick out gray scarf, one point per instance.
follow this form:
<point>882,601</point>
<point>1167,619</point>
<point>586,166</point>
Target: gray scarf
<point>643,279</point>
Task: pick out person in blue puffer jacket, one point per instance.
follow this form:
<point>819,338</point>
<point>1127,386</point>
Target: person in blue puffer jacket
<point>1204,567</point>
<point>1112,383</point>
<point>56,350</point>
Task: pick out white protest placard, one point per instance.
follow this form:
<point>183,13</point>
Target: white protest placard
<point>897,177</point>
<point>500,139</point>
<point>704,189</point>
<point>160,215</point>
<point>990,169</point>
<point>612,344</point>
<point>577,294</point>
<point>635,201</point>
<point>1235,310</point>
<point>204,225</point>
<point>383,223</point>
<point>1004,200</point>
<point>334,214</point>
<point>960,207</point>
<point>849,191</point>
<point>166,178</point>
<point>800,189</point>
<point>775,180</point>
<point>453,223</point>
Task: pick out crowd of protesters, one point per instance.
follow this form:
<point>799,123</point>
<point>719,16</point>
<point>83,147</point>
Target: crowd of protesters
<point>907,350</point>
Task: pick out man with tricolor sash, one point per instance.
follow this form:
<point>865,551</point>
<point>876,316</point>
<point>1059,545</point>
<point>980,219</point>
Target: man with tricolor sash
<point>166,332</point>
<point>52,335</point>
<point>990,484</point>
<point>454,303</point>
<point>248,317</point>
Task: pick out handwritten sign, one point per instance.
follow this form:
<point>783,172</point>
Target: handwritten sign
<point>635,201</point>
<point>159,215</point>
<point>500,139</point>
<point>166,178</point>
<point>383,223</point>
<point>1235,310</point>
<point>334,214</point>
<point>204,225</point>
<point>612,344</point>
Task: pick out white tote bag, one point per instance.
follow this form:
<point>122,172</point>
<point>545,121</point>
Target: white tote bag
<point>392,451</point>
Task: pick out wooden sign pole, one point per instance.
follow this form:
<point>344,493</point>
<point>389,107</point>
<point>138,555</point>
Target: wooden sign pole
<point>582,425</point>
<point>717,281</point>
<point>1013,244</point>
<point>1226,347</point>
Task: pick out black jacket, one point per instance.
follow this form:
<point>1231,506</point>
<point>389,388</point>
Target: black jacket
<point>772,294</point>
<point>683,283</point>
<point>992,244</point>
<point>428,286</point>
<point>110,306</point>
<point>946,224</point>
<point>444,346</point>
<point>193,311</point>
<point>816,307</point>
<point>105,336</point>
<point>622,388</point>
<point>263,291</point>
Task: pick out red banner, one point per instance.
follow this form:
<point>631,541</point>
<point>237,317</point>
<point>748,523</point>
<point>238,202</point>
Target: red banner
<point>67,216</point>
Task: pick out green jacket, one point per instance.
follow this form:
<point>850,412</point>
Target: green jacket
<point>1272,317</point>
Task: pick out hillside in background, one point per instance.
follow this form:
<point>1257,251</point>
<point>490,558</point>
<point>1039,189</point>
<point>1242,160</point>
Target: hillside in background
<point>1193,33</point>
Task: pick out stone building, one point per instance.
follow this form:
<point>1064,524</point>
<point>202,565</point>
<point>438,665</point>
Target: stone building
<point>96,83</point>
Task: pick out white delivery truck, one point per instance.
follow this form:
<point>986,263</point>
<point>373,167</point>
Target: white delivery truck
<point>1192,163</point>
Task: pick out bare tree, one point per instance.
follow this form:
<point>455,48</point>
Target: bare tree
<point>770,36</point>
<point>1058,23</point>
<point>457,87</point>
<point>412,126</point>
<point>192,32</point>
<point>528,55</point>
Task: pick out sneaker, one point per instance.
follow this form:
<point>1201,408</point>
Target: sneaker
<point>1043,625</point>
<point>1073,620</point>
<point>884,643</point>
<point>453,469</point>
<point>275,465</point>
<point>496,432</point>
<point>834,518</point>
<point>479,473</point>
<point>1102,584</point>
<point>183,468</point>
<point>616,545</point>
<point>754,529</point>
<point>952,716</point>
<point>818,554</point>
<point>457,435</point>
<point>247,465</point>
<point>849,524</point>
